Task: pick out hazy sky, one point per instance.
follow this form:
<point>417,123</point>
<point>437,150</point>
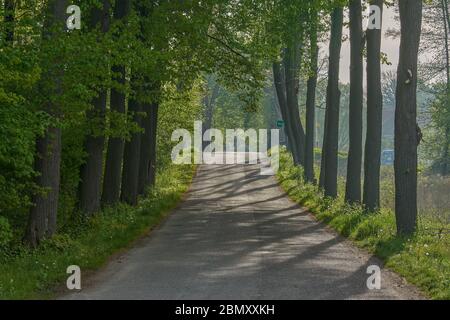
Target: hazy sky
<point>389,46</point>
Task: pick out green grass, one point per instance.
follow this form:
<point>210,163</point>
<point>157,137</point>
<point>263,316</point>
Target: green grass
<point>423,259</point>
<point>28,274</point>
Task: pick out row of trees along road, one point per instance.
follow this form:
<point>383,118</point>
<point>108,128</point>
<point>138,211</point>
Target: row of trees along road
<point>301,41</point>
<point>79,109</point>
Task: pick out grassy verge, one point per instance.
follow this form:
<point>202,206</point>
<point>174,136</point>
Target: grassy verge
<point>27,274</point>
<point>423,259</point>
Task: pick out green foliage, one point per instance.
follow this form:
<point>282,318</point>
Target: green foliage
<point>423,259</point>
<point>178,110</point>
<point>50,76</point>
<point>26,273</point>
<point>19,127</point>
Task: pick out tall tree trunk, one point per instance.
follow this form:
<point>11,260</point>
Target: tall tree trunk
<point>406,135</point>
<point>9,20</point>
<point>153,146</point>
<point>113,165</point>
<point>132,154</point>
<point>114,156</point>
<point>333,103</point>
<point>43,213</point>
<point>131,158</point>
<point>292,68</point>
<point>147,163</point>
<point>371,194</point>
<point>279,81</point>
<point>92,171</point>
<point>311,102</point>
<point>354,164</point>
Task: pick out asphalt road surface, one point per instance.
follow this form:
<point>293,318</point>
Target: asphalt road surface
<point>238,236</point>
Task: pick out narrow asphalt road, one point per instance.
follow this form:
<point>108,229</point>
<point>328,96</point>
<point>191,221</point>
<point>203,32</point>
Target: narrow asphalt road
<point>237,236</point>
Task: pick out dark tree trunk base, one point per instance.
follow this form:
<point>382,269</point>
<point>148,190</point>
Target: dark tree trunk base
<point>43,214</point>
<point>406,141</point>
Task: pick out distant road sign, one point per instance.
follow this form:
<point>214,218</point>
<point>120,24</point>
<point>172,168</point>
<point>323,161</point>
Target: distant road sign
<point>387,157</point>
<point>280,123</point>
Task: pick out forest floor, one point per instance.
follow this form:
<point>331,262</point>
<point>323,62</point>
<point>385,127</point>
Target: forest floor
<point>237,235</point>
